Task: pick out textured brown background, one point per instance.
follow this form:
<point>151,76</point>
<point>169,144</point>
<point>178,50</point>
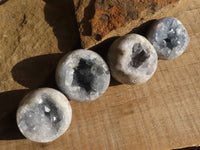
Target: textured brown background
<point>99,20</point>
<point>162,114</point>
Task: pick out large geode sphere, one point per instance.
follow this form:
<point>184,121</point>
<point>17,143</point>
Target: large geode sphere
<point>82,75</point>
<point>43,115</point>
<point>169,38</point>
<point>132,59</point>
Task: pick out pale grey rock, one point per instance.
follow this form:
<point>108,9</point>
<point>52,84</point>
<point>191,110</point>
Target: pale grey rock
<point>44,115</point>
<point>82,75</point>
<point>132,59</point>
<point>169,38</point>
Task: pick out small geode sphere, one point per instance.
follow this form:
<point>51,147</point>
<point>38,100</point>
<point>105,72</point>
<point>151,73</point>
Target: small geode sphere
<point>82,75</point>
<point>43,115</point>
<point>169,38</point>
<point>132,59</point>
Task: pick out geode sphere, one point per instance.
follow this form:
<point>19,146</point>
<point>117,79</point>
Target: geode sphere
<point>132,59</point>
<point>43,115</point>
<point>169,38</point>
<point>82,75</point>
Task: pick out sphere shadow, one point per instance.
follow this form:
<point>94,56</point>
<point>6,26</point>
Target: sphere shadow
<point>3,1</point>
<point>189,148</point>
<point>144,28</point>
<point>60,15</point>
<point>9,102</point>
<point>36,71</point>
<point>102,50</point>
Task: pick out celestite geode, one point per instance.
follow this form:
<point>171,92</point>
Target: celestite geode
<point>169,38</point>
<point>132,59</point>
<point>82,75</point>
<point>44,115</point>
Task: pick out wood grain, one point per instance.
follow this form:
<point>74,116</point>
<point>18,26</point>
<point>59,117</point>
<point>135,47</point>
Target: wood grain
<point>162,114</point>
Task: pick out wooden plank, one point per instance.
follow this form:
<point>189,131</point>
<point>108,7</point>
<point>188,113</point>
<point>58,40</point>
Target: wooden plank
<point>162,114</point>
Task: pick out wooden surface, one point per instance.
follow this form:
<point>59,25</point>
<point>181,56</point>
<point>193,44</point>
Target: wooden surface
<point>162,114</point>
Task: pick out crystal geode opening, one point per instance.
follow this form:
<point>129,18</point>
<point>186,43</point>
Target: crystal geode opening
<point>139,55</point>
<point>51,111</point>
<point>45,113</point>
<point>169,38</point>
<point>85,74</point>
<point>82,75</point>
<point>172,38</point>
<point>168,43</point>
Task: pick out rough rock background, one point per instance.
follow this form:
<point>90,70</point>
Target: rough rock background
<point>31,33</point>
<point>99,20</point>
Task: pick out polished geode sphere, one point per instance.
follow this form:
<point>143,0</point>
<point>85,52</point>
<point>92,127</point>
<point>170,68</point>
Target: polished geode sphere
<point>169,38</point>
<point>82,75</point>
<point>43,115</point>
<point>132,59</point>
